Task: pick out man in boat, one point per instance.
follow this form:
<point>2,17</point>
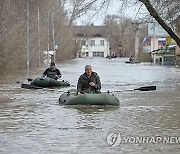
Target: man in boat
<point>131,58</point>
<point>52,72</point>
<point>89,82</point>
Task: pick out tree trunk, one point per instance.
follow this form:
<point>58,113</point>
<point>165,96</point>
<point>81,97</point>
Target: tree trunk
<point>155,14</point>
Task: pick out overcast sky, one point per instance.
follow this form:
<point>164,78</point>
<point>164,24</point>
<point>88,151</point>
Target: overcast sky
<point>113,9</point>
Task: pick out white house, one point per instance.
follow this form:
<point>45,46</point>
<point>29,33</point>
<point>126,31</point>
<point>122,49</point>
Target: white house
<point>93,41</point>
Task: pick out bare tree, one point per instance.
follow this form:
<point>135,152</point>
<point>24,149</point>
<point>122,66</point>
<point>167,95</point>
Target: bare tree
<point>173,13</point>
<point>121,35</point>
<point>169,11</point>
<point>78,8</point>
<point>13,32</point>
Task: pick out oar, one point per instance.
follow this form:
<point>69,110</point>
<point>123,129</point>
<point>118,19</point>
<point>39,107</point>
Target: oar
<point>29,86</point>
<point>146,88</point>
<point>30,79</point>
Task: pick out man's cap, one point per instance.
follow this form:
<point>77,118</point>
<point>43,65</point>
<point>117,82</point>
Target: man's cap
<point>52,64</point>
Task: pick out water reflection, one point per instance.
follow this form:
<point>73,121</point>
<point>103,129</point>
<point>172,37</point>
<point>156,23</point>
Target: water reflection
<point>91,109</point>
<point>88,116</point>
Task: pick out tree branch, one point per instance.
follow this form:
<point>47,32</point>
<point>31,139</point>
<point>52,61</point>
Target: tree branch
<point>154,14</point>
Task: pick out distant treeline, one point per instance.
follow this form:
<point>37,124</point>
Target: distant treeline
<point>14,33</point>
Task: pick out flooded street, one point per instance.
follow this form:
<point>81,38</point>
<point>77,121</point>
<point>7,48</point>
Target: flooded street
<point>32,121</point>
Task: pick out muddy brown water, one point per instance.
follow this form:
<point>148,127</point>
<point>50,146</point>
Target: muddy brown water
<point>32,121</point>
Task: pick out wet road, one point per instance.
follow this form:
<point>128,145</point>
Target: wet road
<point>32,121</point>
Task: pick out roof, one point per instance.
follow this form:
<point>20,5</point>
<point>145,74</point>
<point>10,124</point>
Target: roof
<point>89,31</point>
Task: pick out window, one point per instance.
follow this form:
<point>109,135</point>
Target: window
<point>98,54</point>
<point>102,42</point>
<point>92,42</point>
<point>83,42</point>
<point>87,54</point>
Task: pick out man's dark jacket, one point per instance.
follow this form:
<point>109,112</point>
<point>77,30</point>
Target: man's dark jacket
<point>52,73</point>
<point>83,82</point>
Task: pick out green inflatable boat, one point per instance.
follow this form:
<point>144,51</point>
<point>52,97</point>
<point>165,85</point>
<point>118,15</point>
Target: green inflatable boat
<point>49,82</point>
<point>132,62</point>
<point>70,98</point>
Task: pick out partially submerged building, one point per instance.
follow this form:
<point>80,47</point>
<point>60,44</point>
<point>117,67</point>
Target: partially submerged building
<point>160,45</point>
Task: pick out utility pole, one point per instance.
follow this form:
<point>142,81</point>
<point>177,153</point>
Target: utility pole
<point>154,42</point>
<point>27,36</point>
<point>136,38</point>
<point>39,43</point>
<point>53,31</point>
<point>53,37</point>
<point>137,42</point>
<point>48,38</point>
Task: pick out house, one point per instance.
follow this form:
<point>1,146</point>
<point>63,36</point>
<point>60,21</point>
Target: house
<point>159,45</point>
<point>92,40</point>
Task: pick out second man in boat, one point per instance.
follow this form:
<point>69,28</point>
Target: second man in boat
<point>52,72</point>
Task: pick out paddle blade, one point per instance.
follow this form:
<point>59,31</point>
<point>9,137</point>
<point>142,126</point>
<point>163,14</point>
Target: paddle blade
<point>29,79</point>
<point>147,88</point>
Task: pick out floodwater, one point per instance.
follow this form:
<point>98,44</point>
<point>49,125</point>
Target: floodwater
<point>32,121</point>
